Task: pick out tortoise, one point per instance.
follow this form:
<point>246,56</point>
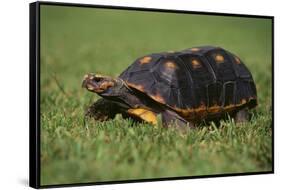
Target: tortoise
<point>183,87</point>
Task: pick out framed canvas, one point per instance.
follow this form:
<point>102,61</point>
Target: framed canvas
<point>122,94</point>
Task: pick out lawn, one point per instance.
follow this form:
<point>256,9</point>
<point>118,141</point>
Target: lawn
<point>75,41</point>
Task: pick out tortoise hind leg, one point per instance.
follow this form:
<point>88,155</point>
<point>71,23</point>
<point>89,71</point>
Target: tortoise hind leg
<point>170,118</point>
<point>242,116</point>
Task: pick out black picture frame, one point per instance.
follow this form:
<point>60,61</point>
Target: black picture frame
<point>34,92</point>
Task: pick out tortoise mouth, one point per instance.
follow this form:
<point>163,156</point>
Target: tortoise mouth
<point>97,83</point>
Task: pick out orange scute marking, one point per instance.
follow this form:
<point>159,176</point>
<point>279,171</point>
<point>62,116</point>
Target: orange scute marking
<point>136,86</point>
<point>237,60</point>
<point>170,65</point>
<point>145,60</point>
<point>202,110</point>
<point>215,109</point>
<point>219,58</point>
<point>243,101</point>
<point>195,49</point>
<point>195,63</point>
<point>158,98</point>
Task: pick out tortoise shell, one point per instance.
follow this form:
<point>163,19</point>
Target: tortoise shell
<point>196,82</point>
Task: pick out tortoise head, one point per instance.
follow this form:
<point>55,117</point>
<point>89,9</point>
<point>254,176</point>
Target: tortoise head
<point>102,85</point>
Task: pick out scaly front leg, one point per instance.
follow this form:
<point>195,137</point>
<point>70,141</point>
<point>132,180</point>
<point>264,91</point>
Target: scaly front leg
<point>102,110</point>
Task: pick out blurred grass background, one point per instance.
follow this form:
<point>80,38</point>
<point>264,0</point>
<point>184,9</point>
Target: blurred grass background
<point>75,41</point>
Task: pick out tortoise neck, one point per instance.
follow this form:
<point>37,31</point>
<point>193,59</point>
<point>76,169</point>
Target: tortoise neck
<point>124,94</point>
<point>128,97</point>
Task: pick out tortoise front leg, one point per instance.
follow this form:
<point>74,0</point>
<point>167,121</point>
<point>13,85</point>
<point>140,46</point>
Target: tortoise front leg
<point>102,110</point>
<point>242,116</point>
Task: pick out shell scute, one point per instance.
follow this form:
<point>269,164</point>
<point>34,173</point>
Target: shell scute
<point>195,82</point>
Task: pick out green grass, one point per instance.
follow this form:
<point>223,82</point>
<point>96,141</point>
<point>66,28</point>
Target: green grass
<point>75,41</point>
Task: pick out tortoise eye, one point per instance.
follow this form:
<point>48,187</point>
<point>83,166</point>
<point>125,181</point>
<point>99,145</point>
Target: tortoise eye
<point>97,79</point>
